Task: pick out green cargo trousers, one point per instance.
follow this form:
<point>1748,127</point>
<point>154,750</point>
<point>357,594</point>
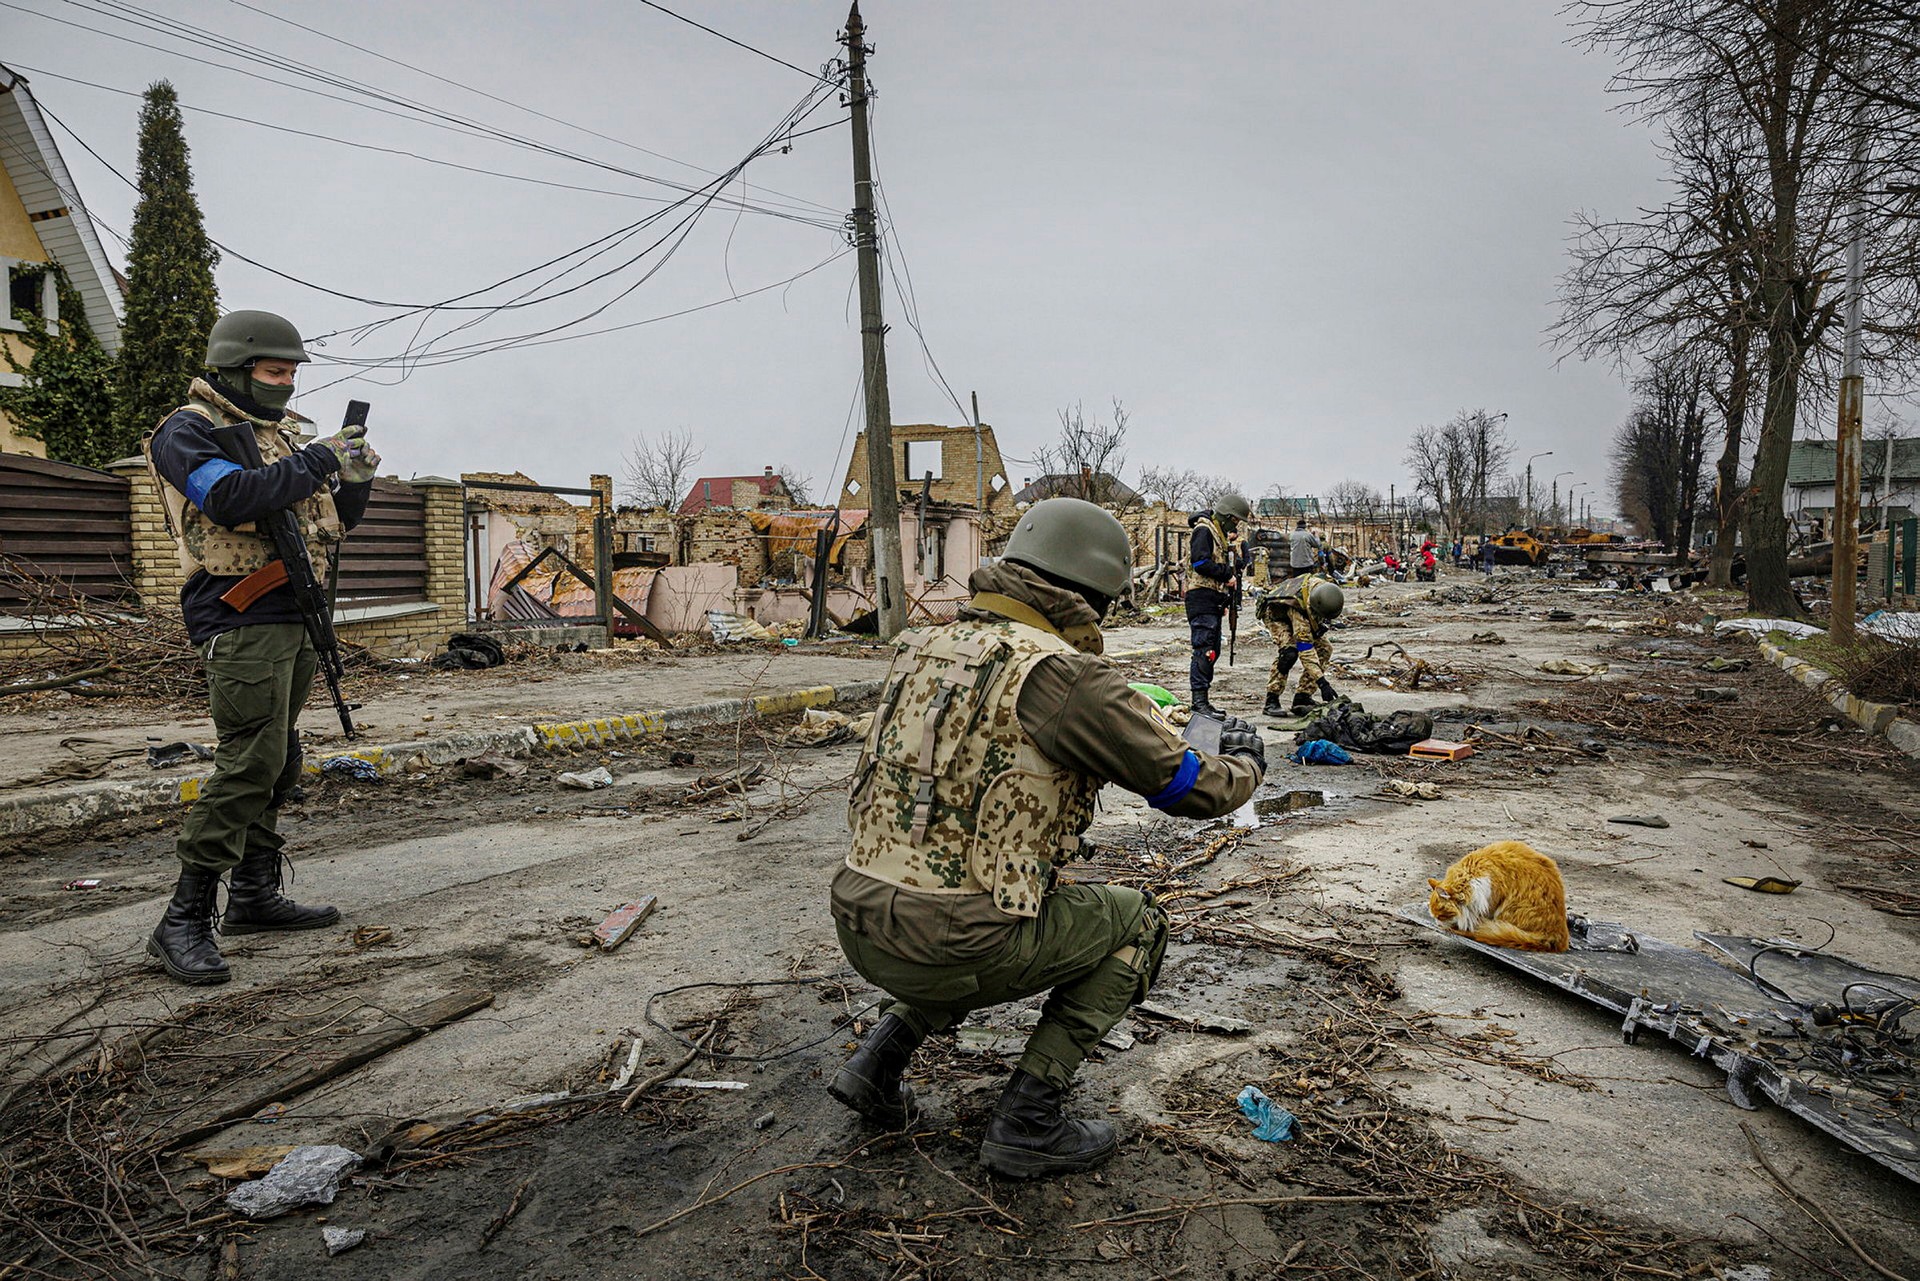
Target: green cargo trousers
<point>257,682</point>
<point>1095,948</point>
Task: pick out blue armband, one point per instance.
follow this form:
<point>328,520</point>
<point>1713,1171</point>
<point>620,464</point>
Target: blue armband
<point>201,481</point>
<point>1180,784</point>
<point>1301,647</point>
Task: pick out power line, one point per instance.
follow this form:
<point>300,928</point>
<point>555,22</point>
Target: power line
<point>739,44</point>
<point>414,112</point>
<point>435,160</point>
<point>507,102</point>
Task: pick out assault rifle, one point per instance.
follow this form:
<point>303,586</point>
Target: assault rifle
<point>316,615</point>
<point>1233,617</point>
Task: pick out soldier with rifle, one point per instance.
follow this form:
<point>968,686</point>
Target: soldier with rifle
<point>253,511</point>
<point>1217,566</point>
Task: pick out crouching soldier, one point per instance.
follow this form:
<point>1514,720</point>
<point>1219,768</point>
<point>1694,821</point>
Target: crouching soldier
<point>994,735</point>
<point>1297,614</point>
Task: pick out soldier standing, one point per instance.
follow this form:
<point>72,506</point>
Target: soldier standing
<point>1296,615</point>
<point>258,659</point>
<point>1218,565</point>
<point>994,736</point>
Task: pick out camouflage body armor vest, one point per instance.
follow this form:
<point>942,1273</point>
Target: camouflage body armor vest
<point>235,552</point>
<point>952,796</point>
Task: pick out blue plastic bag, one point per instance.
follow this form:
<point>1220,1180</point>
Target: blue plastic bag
<point>1271,1122</point>
<point>1321,752</point>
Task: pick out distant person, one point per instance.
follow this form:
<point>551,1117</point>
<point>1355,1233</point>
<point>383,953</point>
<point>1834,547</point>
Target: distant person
<point>1486,555</point>
<point>1303,549</point>
<point>258,660</point>
<point>1216,563</point>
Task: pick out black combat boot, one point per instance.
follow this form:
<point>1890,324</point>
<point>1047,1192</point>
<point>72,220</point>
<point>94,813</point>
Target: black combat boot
<point>1027,1138</point>
<point>870,1083</point>
<point>1273,707</point>
<point>255,903</point>
<point>1302,703</point>
<point>1200,705</point>
<point>184,938</point>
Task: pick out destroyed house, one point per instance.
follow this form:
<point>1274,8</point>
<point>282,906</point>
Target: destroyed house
<point>958,465</point>
<point>765,492</point>
<point>1810,478</point>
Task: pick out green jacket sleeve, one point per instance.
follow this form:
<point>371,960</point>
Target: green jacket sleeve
<point>1080,711</point>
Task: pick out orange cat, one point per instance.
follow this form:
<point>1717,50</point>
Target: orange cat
<point>1507,894</point>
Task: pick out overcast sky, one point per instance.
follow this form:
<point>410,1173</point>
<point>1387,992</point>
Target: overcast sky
<point>1285,235</point>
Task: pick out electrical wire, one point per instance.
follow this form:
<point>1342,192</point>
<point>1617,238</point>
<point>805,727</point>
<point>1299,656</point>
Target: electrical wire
<point>506,102</point>
<point>738,44</point>
<point>410,110</point>
<point>822,223</point>
<point>786,1051</point>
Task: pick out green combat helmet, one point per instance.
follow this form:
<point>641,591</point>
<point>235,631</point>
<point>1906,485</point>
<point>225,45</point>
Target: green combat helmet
<point>1233,506</point>
<point>1326,600</point>
<point>1075,540</point>
<point>241,337</point>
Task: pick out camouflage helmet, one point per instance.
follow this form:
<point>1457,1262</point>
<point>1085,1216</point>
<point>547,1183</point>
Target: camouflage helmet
<point>1325,600</point>
<point>241,337</point>
<point>1233,505</point>
<point>1075,540</point>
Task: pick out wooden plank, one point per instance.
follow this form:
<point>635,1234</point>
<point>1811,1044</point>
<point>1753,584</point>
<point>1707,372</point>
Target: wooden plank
<point>351,1053</point>
<point>69,471</point>
<point>21,523</point>
<point>39,500</point>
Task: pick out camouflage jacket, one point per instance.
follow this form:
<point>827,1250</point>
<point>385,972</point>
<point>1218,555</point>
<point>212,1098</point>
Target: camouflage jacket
<point>206,545</point>
<point>1006,723</point>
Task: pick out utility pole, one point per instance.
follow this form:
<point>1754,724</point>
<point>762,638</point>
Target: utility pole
<point>883,492</point>
<point>979,459</point>
<point>1846,462</point>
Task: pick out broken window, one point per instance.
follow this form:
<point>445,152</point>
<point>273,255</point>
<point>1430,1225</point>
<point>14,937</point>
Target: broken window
<point>31,290</point>
<point>925,458</point>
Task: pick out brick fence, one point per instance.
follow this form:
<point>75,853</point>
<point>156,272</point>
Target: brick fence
<point>395,628</point>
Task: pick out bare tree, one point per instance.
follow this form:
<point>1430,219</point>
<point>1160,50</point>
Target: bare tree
<point>1087,455</point>
<point>1178,487</point>
<point>1455,466</point>
<point>1659,452</point>
<point>799,487</point>
<point>658,471</point>
<point>1353,499</point>
<point>1788,93</point>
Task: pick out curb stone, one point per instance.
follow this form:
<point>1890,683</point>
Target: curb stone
<point>1883,719</point>
<point>89,802</point>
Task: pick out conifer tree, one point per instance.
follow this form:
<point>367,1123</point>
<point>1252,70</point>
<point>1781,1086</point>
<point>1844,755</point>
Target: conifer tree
<point>66,401</point>
<point>171,299</point>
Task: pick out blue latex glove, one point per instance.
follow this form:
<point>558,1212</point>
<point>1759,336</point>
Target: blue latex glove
<point>1321,752</point>
<point>1271,1122</point>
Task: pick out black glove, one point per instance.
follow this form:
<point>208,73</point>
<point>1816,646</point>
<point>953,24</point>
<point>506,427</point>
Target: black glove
<point>1326,690</point>
<point>1240,738</point>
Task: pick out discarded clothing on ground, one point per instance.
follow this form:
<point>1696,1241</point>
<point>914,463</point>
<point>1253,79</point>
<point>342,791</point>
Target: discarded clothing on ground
<point>1321,752</point>
<point>1356,729</point>
<point>470,651</point>
<point>1761,626</point>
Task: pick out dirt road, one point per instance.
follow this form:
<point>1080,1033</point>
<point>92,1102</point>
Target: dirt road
<point>1454,1119</point>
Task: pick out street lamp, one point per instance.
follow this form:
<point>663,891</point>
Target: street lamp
<point>1545,453</point>
<point>1572,506</point>
<point>1556,495</point>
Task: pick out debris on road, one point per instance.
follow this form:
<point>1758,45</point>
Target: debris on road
<point>1271,1122</point>
<point>1415,791</point>
<point>341,1240</point>
<point>83,883</point>
<point>587,780</point>
<point>1572,667</point>
<point>1486,638</point>
<point>1440,749</point>
<point>168,755</point>
<point>491,765</point>
<point>1640,820</point>
<point>1763,884</point>
<point>308,1175</point>
<point>352,767</point>
<point>1715,694</point>
<point>1719,664</point>
<point>1761,626</point>
<point>1320,752</point>
<point>820,728</point>
<point>730,628</point>
<point>626,918</point>
<point>1219,1024</point>
<point>470,651</point>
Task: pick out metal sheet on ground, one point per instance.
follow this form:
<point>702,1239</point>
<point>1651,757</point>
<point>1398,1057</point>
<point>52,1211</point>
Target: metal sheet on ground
<point>1768,1045</point>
